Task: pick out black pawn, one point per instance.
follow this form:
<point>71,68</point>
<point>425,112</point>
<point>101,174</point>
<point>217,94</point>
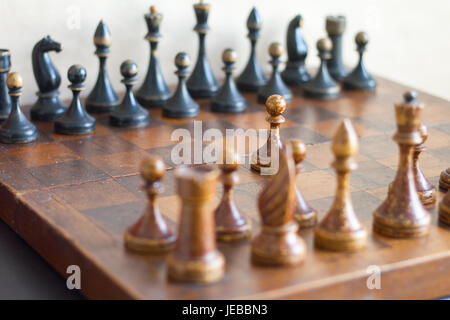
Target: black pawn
<point>129,113</point>
<point>102,98</point>
<point>202,83</point>
<point>359,78</point>
<point>295,73</point>
<point>5,100</point>
<point>154,91</point>
<point>181,105</point>
<point>228,99</point>
<point>75,121</point>
<point>47,107</point>
<point>323,86</point>
<point>17,128</point>
<point>252,78</point>
<point>335,26</point>
<point>275,85</point>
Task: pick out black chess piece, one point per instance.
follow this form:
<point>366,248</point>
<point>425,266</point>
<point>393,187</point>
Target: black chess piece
<point>48,107</point>
<point>359,78</point>
<point>275,85</point>
<point>102,98</point>
<point>228,99</point>
<point>75,121</point>
<point>202,83</point>
<point>181,105</point>
<point>335,26</point>
<point>129,113</point>
<point>5,100</point>
<point>323,86</point>
<point>295,73</point>
<point>252,78</point>
<point>154,91</point>
<point>17,128</point>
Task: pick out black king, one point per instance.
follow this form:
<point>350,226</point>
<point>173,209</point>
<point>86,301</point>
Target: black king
<point>202,83</point>
<point>154,91</point>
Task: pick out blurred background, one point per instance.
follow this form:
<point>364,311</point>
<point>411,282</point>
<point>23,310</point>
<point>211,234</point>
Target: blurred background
<point>408,40</point>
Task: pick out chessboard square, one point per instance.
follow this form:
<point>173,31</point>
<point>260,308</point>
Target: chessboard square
<point>94,195</point>
<point>379,193</point>
<point>309,114</point>
<point>119,164</point>
<point>328,128</point>
<point>438,138</point>
<point>69,172</point>
<point>116,219</point>
<point>430,165</point>
<point>41,154</point>
<point>321,156</point>
<point>442,153</point>
<point>371,174</point>
<point>378,122</point>
<point>114,144</point>
<point>435,113</point>
<point>15,175</point>
<point>378,147</point>
<point>301,132</point>
<point>316,184</point>
<point>150,137</point>
<point>246,199</point>
<point>85,147</point>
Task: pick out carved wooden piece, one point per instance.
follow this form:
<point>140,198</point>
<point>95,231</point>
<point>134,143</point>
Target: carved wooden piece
<point>231,225</point>
<point>341,230</point>
<point>425,190</point>
<point>444,209</point>
<point>402,214</point>
<point>151,234</point>
<point>196,258</point>
<point>305,215</point>
<point>278,242</point>
<point>275,107</point>
<point>444,181</point>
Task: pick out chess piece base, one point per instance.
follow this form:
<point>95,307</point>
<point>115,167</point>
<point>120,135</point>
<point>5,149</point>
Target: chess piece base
<point>202,93</point>
<point>368,85</point>
<point>340,241</point>
<point>278,246</point>
<point>99,108</point>
<point>236,107</point>
<point>152,102</point>
<point>145,245</point>
<point>207,270</point>
<point>71,129</point>
<point>444,181</point>
<point>237,233</point>
<point>295,76</point>
<point>323,94</point>
<point>401,231</point>
<point>47,108</point>
<point>129,121</point>
<point>18,136</point>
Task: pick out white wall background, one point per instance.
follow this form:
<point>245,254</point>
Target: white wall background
<point>409,39</point>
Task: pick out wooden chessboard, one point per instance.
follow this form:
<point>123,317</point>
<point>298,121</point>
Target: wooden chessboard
<point>72,197</point>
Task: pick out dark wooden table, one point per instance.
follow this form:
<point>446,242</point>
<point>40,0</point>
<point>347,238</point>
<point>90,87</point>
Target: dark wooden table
<point>71,198</point>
